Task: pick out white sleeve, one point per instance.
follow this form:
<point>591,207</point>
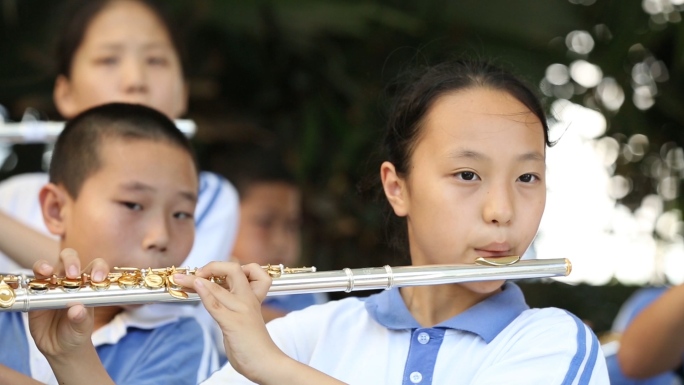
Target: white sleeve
<point>559,349</point>
<point>284,331</point>
<point>216,221</point>
<point>19,199</point>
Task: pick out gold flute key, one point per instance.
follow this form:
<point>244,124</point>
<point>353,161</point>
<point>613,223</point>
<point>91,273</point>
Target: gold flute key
<point>7,296</point>
<point>153,281</point>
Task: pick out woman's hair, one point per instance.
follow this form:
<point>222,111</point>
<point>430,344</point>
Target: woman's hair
<point>77,18</point>
<point>417,92</point>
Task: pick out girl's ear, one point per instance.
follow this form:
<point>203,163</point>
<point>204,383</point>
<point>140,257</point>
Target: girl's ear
<point>54,204</point>
<point>395,189</point>
<point>63,97</point>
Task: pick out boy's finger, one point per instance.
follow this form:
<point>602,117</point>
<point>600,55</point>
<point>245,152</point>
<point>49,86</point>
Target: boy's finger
<point>80,321</point>
<point>72,264</point>
<point>42,269</point>
<point>98,270</point>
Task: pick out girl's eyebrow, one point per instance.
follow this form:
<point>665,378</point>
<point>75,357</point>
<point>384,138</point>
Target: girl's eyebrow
<point>533,156</point>
<point>468,154</point>
<point>119,46</point>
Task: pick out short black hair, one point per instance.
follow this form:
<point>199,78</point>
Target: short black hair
<point>79,14</point>
<point>76,153</point>
<point>246,164</point>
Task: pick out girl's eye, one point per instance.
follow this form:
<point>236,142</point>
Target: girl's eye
<point>467,175</point>
<point>109,60</point>
<point>182,215</point>
<point>528,178</point>
<point>132,206</point>
<point>157,61</point>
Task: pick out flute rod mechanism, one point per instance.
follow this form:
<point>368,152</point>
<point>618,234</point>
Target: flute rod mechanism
<point>47,132</point>
<point>129,286</point>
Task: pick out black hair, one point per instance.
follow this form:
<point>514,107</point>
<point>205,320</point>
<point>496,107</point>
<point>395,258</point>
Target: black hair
<point>417,91</point>
<point>79,14</point>
<point>247,164</point>
<point>76,153</point>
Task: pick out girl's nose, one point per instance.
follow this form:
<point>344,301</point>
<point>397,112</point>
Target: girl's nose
<point>498,207</point>
<point>134,79</point>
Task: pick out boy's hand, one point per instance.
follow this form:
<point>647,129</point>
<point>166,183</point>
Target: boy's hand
<point>236,306</point>
<point>60,333</point>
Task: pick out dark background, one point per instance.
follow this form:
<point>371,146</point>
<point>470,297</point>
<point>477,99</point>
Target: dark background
<point>308,77</point>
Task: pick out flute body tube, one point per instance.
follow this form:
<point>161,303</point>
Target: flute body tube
<point>131,286</point>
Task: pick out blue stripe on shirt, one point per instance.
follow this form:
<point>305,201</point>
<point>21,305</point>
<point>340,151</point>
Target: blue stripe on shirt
<point>589,367</point>
<point>577,360</point>
<point>212,200</point>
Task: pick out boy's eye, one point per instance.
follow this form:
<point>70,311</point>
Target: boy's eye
<point>527,178</point>
<point>132,206</point>
<point>467,175</point>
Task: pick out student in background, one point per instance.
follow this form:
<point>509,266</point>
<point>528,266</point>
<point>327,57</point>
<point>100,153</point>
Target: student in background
<point>122,192</point>
<point>652,345</point>
<point>115,51</point>
<point>270,218</point>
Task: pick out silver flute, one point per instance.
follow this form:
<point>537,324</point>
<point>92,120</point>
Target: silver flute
<point>128,286</point>
<point>47,132</point>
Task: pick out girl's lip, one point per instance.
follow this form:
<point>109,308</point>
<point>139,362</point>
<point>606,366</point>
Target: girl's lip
<point>493,253</point>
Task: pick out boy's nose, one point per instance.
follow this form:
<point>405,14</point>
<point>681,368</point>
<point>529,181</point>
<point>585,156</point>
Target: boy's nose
<point>157,236</point>
<point>498,207</point>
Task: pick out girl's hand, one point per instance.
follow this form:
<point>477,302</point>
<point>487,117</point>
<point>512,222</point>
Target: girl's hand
<point>64,332</point>
<point>236,307</point>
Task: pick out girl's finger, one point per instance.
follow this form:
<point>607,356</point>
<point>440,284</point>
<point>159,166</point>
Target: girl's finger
<point>211,298</point>
<point>259,280</point>
<point>218,269</point>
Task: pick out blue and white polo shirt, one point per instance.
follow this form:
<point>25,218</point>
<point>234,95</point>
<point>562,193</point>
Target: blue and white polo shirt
<point>140,346</point>
<point>498,341</point>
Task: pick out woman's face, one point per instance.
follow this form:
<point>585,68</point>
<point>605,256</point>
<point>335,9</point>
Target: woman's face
<point>476,182</point>
<point>126,56</point>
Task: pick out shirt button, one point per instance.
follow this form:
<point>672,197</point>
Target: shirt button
<point>423,338</point>
<point>416,377</point>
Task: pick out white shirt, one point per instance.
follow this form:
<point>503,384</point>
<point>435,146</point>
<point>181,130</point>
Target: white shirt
<point>498,341</point>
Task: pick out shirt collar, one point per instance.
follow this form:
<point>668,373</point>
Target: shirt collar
<point>145,317</point>
<point>486,319</point>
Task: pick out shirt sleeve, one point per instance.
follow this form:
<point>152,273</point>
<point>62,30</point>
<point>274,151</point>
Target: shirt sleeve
<point>549,350</point>
<point>216,221</point>
<point>19,199</point>
<point>283,331</point>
